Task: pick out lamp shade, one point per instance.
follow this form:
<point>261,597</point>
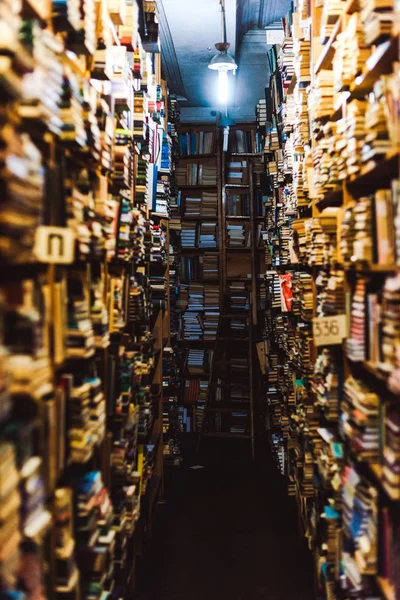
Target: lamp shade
<point>222,61</point>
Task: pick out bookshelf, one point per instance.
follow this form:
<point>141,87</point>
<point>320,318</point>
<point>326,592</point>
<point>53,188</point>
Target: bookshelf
<point>331,403</point>
<point>88,133</point>
<point>229,411</point>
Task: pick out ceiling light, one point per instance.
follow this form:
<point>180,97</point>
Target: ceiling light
<point>223,62</point>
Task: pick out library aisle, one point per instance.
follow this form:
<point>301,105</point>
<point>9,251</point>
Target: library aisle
<point>227,530</point>
<point>199,299</point>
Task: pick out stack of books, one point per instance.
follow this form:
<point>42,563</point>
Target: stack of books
<point>192,206</point>
<point>200,142</point>
<point>238,205</point>
<point>239,298</point>
<point>360,420</point>
<point>237,172</point>
<point>210,265</point>
<point>238,236</point>
<point>208,235</point>
<point>188,234</point>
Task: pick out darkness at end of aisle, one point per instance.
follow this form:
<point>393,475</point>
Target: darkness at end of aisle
<point>226,531</point>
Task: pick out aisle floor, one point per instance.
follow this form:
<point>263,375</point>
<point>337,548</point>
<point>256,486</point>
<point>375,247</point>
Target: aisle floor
<point>227,531</point>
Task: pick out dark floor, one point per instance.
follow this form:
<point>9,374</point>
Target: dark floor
<point>226,532</point>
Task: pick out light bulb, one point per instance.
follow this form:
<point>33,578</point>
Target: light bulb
<point>223,87</point>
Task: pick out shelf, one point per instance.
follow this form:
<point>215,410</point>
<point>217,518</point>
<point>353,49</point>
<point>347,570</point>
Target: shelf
<point>386,588</point>
<point>197,250</point>
<point>379,63</point>
<point>365,268</point>
<point>229,249</point>
<point>333,198</point>
<point>243,186</point>
<point>238,217</point>
<point>225,435</point>
<point>228,409</point>
<point>292,85</point>
<point>197,343</point>
<point>246,154</point>
<point>352,6</point>
<point>326,57</point>
<point>198,187</point>
<point>377,172</point>
<point>30,11</point>
<point>193,218</point>
<point>196,156</point>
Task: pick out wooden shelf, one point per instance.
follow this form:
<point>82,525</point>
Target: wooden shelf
<point>196,156</point>
<point>193,218</point>
<point>292,85</point>
<point>198,187</point>
<point>197,343</point>
<point>376,172</point>
<point>226,435</point>
<point>196,250</point>
<point>244,186</point>
<point>246,154</point>
<point>379,63</point>
<point>230,249</point>
<point>333,198</point>
<point>386,588</point>
<point>352,6</point>
<point>326,57</point>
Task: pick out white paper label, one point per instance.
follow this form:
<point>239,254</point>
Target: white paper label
<point>328,331</point>
<point>55,245</point>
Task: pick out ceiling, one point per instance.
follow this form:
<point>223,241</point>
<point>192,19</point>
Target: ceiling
<point>190,28</point>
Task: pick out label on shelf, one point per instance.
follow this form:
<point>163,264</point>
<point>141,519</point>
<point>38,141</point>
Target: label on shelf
<point>55,245</point>
<point>328,331</point>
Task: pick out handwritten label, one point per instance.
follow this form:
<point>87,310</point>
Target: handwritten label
<point>328,331</point>
<point>55,245</point>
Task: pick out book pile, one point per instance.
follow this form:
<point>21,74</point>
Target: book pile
<point>237,172</point>
<point>360,528</point>
<point>161,199</point>
<point>193,143</point>
<point>209,205</point>
<point>191,267</point>
<point>331,11</point>
<point>355,344</point>
<point>325,384</point>
<point>191,326</point>
<point>360,420</point>
<point>303,299</point>
<point>208,235</point>
<point>192,207</point>
<point>354,129</point>
<point>239,299</point>
<point>188,234</point>
<point>391,452</point>
<point>210,323</point>
<point>142,176</point>
<point>242,141</point>
<point>321,98</point>
<point>238,236</point>
<point>261,112</point>
<point>196,296</point>
<point>390,323</point>
<point>351,53</point>
<point>238,205</point>
<point>210,265</point>
<point>377,140</point>
<point>378,18</point>
<point>22,199</point>
<point>285,61</point>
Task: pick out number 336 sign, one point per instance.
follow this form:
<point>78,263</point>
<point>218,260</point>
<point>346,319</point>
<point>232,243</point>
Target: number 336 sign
<point>328,331</point>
